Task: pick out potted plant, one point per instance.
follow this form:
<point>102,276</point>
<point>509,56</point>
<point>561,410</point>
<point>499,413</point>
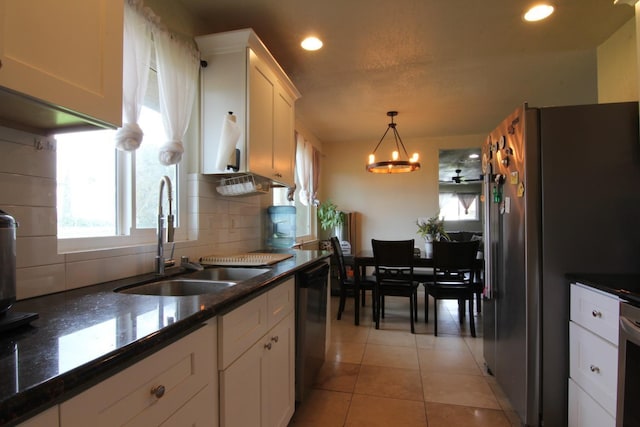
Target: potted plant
<point>329,216</point>
<point>431,229</point>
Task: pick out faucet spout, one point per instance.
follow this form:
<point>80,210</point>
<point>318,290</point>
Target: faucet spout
<point>161,263</point>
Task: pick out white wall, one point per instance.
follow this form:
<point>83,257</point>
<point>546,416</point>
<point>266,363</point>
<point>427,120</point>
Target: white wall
<point>389,204</point>
<point>618,66</point>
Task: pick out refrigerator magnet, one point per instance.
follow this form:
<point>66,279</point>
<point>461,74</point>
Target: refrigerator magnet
<point>514,178</point>
<point>520,190</point>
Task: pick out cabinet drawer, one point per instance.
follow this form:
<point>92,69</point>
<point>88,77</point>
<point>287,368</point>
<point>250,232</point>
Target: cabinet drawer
<point>126,399</point>
<point>595,311</point>
<point>593,364</point>
<point>281,301</point>
<point>240,329</point>
<point>586,412</point>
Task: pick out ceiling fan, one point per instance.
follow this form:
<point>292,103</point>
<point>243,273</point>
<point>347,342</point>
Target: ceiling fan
<point>459,179</point>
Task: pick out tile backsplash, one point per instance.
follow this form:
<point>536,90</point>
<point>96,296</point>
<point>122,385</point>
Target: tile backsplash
<point>215,224</point>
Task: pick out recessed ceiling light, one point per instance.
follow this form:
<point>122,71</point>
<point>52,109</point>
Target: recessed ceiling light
<point>474,156</point>
<point>538,12</point>
<point>311,43</point>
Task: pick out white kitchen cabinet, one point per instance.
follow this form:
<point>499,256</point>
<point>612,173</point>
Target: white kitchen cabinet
<point>258,387</point>
<point>243,77</point>
<point>176,385</point>
<point>66,54</point>
<point>586,412</point>
<point>48,418</point>
<point>593,354</point>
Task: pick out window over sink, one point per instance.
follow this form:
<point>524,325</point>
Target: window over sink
<point>108,198</point>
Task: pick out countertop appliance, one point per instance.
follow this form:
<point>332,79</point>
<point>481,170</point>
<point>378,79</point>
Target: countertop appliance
<point>561,196</point>
<point>9,319</point>
<point>311,321</point>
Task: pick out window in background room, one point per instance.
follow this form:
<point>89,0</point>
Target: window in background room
<point>452,207</point>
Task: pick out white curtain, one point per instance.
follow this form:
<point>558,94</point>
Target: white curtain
<point>304,162</point>
<point>178,64</point>
<point>465,200</point>
<point>136,60</point>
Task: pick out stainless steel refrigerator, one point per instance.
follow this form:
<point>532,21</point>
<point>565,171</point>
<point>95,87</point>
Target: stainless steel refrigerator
<point>561,195</point>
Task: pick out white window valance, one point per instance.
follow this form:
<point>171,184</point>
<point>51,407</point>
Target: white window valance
<point>178,63</point>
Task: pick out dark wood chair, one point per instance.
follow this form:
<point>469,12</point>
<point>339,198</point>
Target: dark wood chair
<point>347,283</point>
<point>454,271</point>
<point>394,276</point>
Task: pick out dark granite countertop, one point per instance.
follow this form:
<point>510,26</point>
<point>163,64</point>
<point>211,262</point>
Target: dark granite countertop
<point>625,286</point>
<point>86,335</point>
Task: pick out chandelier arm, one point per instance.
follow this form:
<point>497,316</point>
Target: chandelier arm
<point>397,136</point>
<point>381,139</point>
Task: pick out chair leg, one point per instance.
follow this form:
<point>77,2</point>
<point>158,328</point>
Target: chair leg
<point>426,305</point>
<point>415,304</point>
<point>435,316</point>
<point>472,323</point>
<point>479,302</point>
<point>382,304</point>
<point>343,297</point>
<point>376,297</point>
<point>411,311</point>
<point>362,298</point>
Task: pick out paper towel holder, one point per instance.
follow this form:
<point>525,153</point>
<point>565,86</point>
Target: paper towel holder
<point>235,167</point>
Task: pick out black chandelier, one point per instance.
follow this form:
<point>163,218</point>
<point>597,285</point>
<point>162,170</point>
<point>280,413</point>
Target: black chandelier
<point>396,164</point>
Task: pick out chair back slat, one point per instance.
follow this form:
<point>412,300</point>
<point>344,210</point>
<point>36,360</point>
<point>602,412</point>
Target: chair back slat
<point>455,255</point>
<point>337,251</point>
<point>393,259</point>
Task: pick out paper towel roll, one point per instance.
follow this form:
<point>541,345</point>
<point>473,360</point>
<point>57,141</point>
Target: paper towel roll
<point>228,140</point>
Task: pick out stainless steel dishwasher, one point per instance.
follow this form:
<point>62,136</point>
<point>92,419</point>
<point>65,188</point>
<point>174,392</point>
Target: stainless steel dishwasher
<point>311,321</point>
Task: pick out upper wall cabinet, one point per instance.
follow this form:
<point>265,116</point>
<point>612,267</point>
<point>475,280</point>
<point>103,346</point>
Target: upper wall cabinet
<point>61,63</point>
<point>242,77</point>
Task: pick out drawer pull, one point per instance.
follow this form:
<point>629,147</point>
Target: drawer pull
<point>594,369</point>
<point>267,346</point>
<point>274,339</point>
<point>596,313</point>
<point>158,391</point>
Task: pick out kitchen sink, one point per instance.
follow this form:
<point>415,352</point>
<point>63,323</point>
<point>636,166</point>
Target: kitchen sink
<point>178,287</point>
<point>206,281</point>
<point>230,274</point>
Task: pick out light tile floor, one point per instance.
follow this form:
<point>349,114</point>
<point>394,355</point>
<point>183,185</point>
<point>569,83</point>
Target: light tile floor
<point>390,377</point>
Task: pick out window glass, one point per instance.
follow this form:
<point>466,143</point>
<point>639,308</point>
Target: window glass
<point>149,171</point>
<point>86,192</point>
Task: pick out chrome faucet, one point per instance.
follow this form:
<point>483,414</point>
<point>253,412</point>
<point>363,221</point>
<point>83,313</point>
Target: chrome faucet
<point>161,263</point>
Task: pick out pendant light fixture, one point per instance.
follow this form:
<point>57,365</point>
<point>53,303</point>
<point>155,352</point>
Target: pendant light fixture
<point>396,164</point>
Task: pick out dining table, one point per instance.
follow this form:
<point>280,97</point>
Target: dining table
<point>364,258</point>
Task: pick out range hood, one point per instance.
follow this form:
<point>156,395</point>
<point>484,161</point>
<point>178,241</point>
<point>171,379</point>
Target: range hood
<point>19,111</point>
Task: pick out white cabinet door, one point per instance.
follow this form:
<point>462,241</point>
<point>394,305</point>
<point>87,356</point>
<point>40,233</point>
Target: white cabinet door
<point>65,53</point>
<point>593,364</point>
<point>586,412</point>
<point>258,387</point>
<point>280,374</point>
<point>284,138</point>
<point>150,391</point>
<point>241,389</point>
<point>260,135</point>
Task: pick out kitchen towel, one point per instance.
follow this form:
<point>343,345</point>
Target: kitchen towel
<point>228,140</point>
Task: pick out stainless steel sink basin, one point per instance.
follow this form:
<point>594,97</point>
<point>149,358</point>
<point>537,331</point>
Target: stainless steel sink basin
<point>230,274</point>
<point>178,287</point>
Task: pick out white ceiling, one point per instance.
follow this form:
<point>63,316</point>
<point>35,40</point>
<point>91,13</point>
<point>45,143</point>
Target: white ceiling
<point>449,67</point>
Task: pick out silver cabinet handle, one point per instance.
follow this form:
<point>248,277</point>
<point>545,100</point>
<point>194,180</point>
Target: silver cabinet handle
<point>267,346</point>
<point>596,313</point>
<point>274,339</point>
<point>594,369</point>
<point>158,391</point>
